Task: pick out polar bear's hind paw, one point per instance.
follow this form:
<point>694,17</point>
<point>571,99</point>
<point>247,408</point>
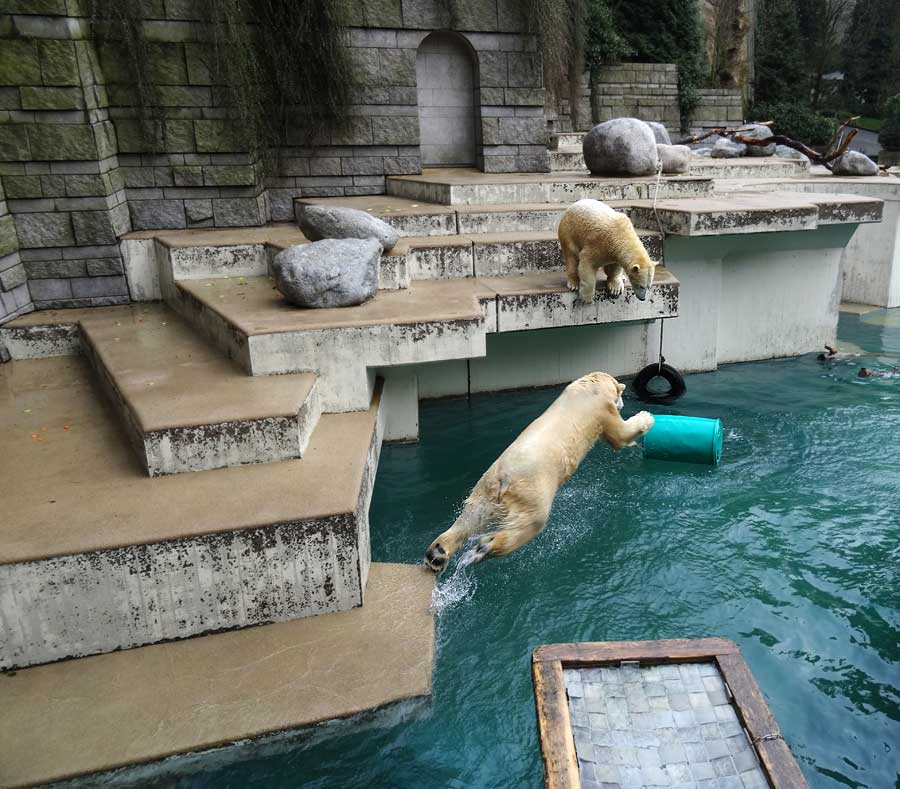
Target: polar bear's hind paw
<point>436,558</point>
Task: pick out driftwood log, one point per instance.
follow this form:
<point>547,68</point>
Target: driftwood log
<point>837,147</point>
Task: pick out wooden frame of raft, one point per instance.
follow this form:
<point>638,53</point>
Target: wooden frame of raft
<point>555,728</point>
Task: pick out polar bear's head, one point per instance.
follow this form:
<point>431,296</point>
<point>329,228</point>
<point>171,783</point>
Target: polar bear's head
<point>640,269</point>
<point>602,384</point>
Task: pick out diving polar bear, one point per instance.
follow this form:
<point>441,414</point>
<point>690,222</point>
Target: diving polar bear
<point>511,502</point>
<point>591,235</point>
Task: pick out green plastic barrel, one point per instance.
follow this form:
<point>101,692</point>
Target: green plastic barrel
<point>688,439</point>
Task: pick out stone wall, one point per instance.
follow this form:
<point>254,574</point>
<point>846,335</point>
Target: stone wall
<point>58,157</point>
<point>80,168</point>
<point>648,91</point>
<point>14,296</point>
<point>718,107</point>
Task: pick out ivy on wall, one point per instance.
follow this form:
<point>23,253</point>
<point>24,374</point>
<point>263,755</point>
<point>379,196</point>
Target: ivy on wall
<point>283,63</point>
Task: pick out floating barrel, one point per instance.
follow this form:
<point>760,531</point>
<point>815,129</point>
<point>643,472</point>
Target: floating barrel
<point>688,439</point>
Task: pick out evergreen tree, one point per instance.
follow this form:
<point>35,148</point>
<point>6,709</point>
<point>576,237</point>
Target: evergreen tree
<point>780,73</point>
<point>667,31</point>
<point>872,54</point>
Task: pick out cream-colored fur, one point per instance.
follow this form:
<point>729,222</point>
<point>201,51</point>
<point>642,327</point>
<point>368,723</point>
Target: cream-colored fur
<point>511,502</point>
<point>592,236</point>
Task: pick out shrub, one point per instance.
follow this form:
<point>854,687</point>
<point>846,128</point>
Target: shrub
<point>796,121</point>
<point>889,136</point>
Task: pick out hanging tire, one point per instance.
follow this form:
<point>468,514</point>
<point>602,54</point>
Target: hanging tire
<point>641,383</point>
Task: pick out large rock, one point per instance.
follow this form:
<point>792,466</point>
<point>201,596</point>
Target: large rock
<point>759,132</point>
<point>622,146</point>
<point>330,273</point>
<point>783,152</point>
<point>854,163</point>
<point>660,132</point>
<point>728,149</point>
<point>318,222</point>
<point>674,158</point>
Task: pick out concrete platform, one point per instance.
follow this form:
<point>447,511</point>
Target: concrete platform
<point>434,320</point>
<point>184,407</point>
<point>108,711</point>
<point>95,555</point>
<point>462,186</point>
<point>871,265</point>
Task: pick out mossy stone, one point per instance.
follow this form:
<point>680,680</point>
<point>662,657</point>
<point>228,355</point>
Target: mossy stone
<point>19,64</point>
<point>59,66</point>
<point>61,143</point>
<point>13,143</point>
<point>9,243</point>
<point>22,187</point>
<point>52,98</point>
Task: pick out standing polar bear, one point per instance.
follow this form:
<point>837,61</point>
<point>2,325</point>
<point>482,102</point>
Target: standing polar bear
<point>511,502</point>
<point>591,235</point>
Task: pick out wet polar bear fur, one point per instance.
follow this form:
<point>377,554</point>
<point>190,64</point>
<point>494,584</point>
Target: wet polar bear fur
<point>511,502</point>
<point>592,235</point>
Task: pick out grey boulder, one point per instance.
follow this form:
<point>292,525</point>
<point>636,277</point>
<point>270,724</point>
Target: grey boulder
<point>622,146</point>
<point>727,149</point>
<point>674,158</point>
<point>660,132</point>
<point>318,222</point>
<point>759,132</point>
<point>783,152</point>
<point>854,163</point>
<point>336,272</point>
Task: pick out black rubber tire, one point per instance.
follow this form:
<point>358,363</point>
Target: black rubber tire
<point>677,386</point>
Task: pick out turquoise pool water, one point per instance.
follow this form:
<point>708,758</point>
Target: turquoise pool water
<point>791,548</point>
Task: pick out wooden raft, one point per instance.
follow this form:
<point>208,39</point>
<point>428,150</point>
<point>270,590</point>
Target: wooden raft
<point>558,746</point>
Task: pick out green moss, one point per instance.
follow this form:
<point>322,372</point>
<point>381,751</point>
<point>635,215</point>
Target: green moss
<point>59,66</point>
<point>19,64</point>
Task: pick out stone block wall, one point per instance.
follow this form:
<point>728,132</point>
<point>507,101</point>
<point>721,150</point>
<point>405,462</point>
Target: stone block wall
<point>563,117</point>
<point>384,135</point>
<point>718,107</point>
<point>648,91</point>
<point>80,168</point>
<point>14,296</point>
<point>58,159</point>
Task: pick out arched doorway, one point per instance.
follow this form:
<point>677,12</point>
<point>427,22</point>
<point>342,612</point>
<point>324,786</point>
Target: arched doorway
<point>446,85</point>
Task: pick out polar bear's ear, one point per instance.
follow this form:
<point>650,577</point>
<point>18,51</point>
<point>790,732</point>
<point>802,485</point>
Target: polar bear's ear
<point>620,387</point>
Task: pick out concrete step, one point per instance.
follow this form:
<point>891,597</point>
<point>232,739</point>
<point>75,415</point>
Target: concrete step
<point>496,254</point>
<point>434,320</point>
<point>100,713</point>
<point>184,406</point>
<point>142,560</point>
<point>467,187</point>
<point>566,140</point>
<point>571,160</point>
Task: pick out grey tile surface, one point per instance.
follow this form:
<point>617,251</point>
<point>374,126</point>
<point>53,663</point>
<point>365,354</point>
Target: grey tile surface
<point>666,726</point>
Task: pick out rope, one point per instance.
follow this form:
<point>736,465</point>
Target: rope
<point>767,738</point>
<point>662,359</point>
<point>655,198</point>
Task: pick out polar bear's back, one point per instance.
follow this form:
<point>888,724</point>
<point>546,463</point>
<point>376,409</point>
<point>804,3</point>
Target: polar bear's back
<point>588,219</point>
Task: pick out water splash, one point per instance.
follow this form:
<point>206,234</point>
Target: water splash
<point>458,587</point>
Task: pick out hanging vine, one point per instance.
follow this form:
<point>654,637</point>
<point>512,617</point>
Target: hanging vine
<point>283,64</point>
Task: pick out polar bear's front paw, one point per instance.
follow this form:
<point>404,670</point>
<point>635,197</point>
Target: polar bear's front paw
<point>615,285</point>
<point>643,421</point>
<point>571,284</point>
<point>586,294</point>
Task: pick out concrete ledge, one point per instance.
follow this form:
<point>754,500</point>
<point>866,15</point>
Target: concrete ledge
<point>184,407</point>
<point>145,560</point>
<point>104,712</point>
<point>467,187</point>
